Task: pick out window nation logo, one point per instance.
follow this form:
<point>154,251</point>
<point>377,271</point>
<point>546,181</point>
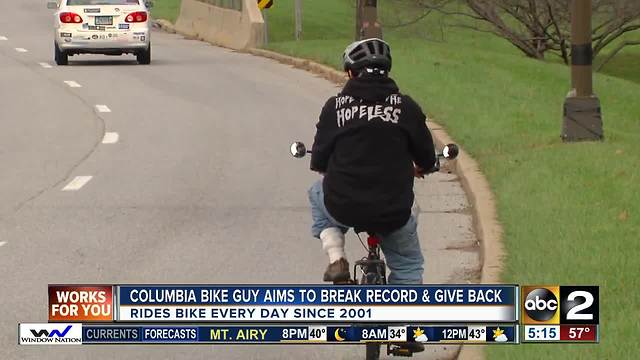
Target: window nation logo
<point>53,333</point>
<point>50,334</point>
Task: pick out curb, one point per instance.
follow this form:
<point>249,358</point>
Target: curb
<point>164,25</point>
<point>485,219</point>
<point>325,71</point>
<point>485,223</point>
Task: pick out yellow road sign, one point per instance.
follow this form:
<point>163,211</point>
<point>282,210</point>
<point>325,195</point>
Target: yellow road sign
<point>265,4</point>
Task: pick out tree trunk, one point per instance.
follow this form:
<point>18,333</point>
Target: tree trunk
<point>359,8</point>
<point>367,25</point>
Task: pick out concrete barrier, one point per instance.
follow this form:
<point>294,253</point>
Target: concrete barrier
<point>236,29</point>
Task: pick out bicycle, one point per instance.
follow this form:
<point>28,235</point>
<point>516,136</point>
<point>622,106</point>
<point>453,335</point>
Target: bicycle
<point>372,268</point>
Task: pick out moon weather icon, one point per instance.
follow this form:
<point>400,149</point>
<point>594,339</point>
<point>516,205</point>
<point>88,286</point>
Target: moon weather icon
<point>340,334</point>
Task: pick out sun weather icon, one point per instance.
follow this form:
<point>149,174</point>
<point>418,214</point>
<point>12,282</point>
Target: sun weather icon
<point>499,335</point>
<point>419,335</point>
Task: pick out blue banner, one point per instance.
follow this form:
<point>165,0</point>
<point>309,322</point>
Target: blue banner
<point>316,295</point>
<point>280,334</point>
<point>111,334</point>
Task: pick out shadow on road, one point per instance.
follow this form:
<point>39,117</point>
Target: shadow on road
<point>103,62</point>
<point>127,62</point>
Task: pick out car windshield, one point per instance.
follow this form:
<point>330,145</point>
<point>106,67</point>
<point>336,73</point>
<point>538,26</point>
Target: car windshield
<point>102,2</point>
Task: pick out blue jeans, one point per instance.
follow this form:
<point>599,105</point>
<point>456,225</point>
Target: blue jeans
<point>401,247</point>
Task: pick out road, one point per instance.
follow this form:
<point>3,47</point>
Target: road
<point>198,188</point>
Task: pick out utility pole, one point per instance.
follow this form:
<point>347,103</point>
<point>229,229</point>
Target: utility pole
<point>582,113</point>
<point>298,15</point>
<point>359,6</point>
<point>367,25</point>
<point>266,27</point>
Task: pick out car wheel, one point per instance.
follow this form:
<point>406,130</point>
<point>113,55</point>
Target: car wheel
<point>144,57</point>
<point>60,56</point>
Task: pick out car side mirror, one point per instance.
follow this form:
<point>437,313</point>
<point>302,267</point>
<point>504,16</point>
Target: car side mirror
<point>148,4</point>
<point>52,5</point>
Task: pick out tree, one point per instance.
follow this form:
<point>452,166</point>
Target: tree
<point>367,25</point>
<point>540,26</point>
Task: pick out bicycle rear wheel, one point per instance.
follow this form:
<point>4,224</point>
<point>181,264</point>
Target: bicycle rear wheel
<point>373,275</point>
<point>373,351</point>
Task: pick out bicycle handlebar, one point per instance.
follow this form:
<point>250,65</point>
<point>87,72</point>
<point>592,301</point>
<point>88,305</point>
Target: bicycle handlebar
<point>449,152</point>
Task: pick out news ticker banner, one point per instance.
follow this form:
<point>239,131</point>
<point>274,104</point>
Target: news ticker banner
<point>77,334</point>
<point>284,303</point>
<point>549,313</point>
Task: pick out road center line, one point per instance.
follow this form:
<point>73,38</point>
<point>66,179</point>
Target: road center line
<point>73,84</point>
<point>77,183</point>
<point>21,50</point>
<point>2,243</point>
<point>45,65</point>
<point>110,138</point>
<point>3,38</point>
<point>103,108</point>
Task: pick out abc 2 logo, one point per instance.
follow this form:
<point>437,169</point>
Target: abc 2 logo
<point>553,305</point>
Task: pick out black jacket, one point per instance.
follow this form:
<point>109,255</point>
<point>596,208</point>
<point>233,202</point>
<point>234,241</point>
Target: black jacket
<point>367,140</point>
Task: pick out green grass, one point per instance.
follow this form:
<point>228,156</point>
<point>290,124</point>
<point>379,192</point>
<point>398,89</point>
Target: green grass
<point>625,65</point>
<point>166,9</point>
<point>562,206</point>
<point>571,212</point>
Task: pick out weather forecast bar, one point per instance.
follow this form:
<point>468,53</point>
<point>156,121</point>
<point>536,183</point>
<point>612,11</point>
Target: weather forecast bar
<point>77,334</point>
<point>317,334</point>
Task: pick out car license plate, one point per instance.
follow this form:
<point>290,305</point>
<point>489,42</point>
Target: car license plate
<point>104,20</point>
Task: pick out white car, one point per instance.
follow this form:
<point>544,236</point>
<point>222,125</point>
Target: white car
<point>109,27</point>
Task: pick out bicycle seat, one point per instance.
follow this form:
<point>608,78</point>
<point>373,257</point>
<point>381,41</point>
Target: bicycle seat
<point>359,230</point>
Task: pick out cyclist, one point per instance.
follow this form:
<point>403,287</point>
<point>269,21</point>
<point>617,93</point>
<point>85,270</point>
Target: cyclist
<point>370,143</point>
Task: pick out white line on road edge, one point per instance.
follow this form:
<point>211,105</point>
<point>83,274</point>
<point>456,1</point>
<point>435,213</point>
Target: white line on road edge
<point>73,84</point>
<point>110,138</point>
<point>22,50</point>
<point>77,183</point>
<point>103,108</point>
<point>3,38</point>
<point>45,65</point>
<point>2,243</point>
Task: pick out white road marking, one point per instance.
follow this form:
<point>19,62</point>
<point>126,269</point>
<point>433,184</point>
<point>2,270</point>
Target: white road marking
<point>103,108</point>
<point>22,50</point>
<point>77,183</point>
<point>110,138</point>
<point>2,243</point>
<point>45,65</point>
<point>3,38</point>
<point>73,84</point>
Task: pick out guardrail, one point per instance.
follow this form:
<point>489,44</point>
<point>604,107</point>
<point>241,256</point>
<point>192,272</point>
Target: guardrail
<point>227,4</point>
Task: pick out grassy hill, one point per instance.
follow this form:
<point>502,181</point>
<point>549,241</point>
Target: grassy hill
<point>571,212</point>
